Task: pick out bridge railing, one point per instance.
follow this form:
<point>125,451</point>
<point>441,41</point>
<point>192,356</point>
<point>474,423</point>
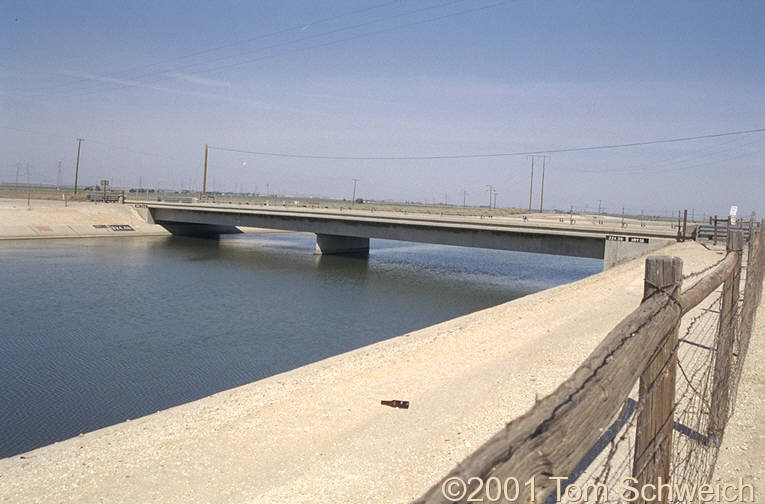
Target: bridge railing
<point>649,406</point>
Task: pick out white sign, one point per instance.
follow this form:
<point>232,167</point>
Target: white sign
<point>733,212</point>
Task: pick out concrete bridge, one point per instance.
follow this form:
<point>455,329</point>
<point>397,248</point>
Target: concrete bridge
<point>348,231</point>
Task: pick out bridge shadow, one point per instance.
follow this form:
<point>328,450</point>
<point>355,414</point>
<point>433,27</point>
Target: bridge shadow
<point>207,231</point>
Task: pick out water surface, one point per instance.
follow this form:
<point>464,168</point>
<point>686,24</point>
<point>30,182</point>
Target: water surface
<point>96,331</point>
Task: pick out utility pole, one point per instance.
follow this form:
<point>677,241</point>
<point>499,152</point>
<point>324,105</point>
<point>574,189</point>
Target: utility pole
<point>495,199</point>
<point>58,178</point>
<point>77,166</point>
<point>204,177</point>
<point>542,196</point>
<point>464,199</point>
<point>29,187</point>
<point>490,188</point>
<point>531,182</point>
<point>600,207</point>
<point>353,200</point>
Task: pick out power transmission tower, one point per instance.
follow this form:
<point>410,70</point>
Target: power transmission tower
<point>490,188</point>
<point>353,199</point>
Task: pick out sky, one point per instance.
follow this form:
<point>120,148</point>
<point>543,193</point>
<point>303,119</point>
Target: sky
<point>147,84</point>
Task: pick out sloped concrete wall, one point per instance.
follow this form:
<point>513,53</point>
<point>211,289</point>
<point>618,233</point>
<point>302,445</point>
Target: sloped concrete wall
<point>623,248</point>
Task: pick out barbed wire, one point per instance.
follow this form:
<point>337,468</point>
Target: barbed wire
<point>688,425</point>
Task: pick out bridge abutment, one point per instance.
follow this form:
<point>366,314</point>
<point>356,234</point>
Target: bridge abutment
<point>619,249</point>
<point>338,244</point>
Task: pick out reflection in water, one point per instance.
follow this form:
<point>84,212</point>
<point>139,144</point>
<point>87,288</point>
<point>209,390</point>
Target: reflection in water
<point>96,331</point>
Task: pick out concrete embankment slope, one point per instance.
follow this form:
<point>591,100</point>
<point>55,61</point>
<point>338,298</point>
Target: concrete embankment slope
<point>51,219</point>
<point>319,433</point>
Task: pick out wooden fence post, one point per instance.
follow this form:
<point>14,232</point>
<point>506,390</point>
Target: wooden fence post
<point>752,289</point>
<point>715,232</point>
<point>727,227</point>
<point>719,407</point>
<point>751,236</point>
<point>655,422</point>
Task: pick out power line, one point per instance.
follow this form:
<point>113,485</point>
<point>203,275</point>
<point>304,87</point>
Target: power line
<point>490,155</point>
<point>89,91</point>
<point>91,140</point>
<point>224,46</point>
<point>703,157</point>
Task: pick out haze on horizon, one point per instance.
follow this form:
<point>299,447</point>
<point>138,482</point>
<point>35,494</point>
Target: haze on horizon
<point>148,84</point>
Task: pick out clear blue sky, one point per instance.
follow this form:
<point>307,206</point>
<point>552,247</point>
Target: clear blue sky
<point>147,84</point>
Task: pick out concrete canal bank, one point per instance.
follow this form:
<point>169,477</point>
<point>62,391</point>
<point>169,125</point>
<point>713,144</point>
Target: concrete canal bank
<point>35,219</point>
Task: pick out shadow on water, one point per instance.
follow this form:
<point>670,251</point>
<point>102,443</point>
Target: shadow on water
<point>97,331</point>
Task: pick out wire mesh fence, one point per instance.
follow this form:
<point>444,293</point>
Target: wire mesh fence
<point>660,441</point>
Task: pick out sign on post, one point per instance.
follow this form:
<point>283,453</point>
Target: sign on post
<point>732,214</point>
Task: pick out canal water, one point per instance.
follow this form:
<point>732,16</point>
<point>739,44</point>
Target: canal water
<point>97,331</point>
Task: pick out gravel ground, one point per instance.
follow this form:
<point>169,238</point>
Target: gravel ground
<point>742,454</point>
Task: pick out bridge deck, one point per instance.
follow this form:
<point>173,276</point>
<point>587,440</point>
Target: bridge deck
<point>534,235</point>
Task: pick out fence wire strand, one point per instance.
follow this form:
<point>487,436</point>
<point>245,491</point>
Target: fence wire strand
<point>669,428</point>
<point>689,426</point>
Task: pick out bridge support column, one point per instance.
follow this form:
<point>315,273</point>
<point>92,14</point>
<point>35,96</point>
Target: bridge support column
<point>337,244</point>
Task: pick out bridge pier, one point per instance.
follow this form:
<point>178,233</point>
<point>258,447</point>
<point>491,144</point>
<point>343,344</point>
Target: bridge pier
<point>338,244</point>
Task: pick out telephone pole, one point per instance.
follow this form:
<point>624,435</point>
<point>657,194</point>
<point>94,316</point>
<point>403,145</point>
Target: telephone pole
<point>58,178</point>
<point>464,198</point>
<point>204,177</point>
<point>531,183</point>
<point>490,188</point>
<point>542,196</point>
<point>77,166</point>
<point>353,199</point>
